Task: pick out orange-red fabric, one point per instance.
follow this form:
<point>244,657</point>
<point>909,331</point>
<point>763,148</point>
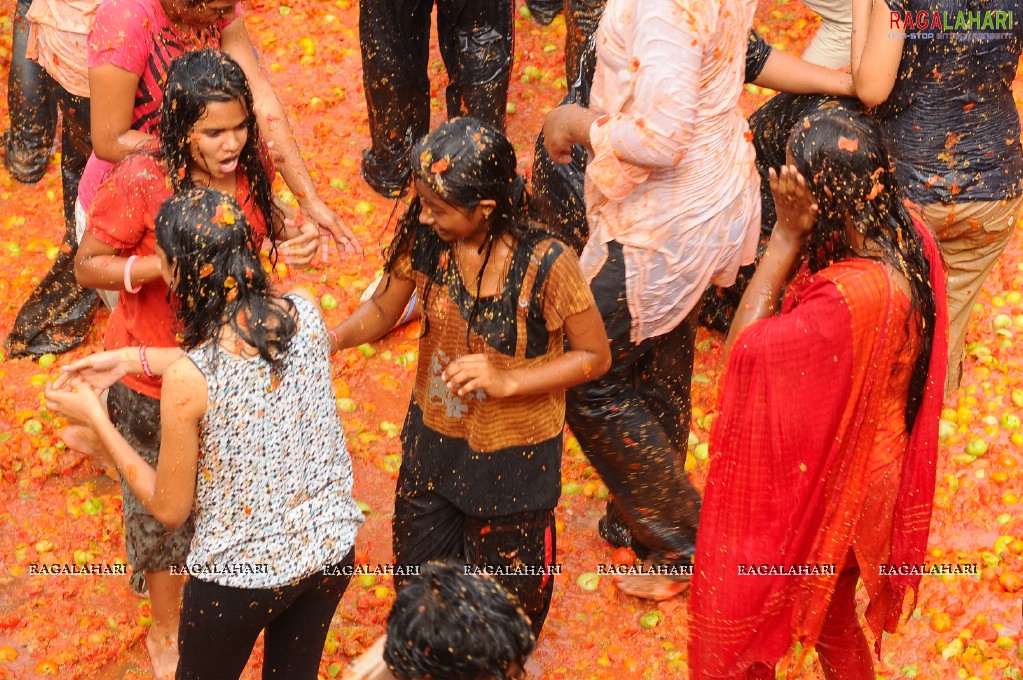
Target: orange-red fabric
<point>812,419</point>
<point>123,216</point>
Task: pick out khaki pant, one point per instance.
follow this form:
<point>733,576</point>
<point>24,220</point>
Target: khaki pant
<point>971,237</point>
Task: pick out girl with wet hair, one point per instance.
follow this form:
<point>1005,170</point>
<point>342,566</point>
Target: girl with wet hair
<point>823,457</point>
<point>209,138</point>
<point>482,441</point>
<point>251,443</point>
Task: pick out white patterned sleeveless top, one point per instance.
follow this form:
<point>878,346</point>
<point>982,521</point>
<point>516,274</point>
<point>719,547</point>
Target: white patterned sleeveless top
<point>273,497</point>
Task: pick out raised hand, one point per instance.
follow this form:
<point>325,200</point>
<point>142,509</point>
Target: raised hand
<point>795,205</point>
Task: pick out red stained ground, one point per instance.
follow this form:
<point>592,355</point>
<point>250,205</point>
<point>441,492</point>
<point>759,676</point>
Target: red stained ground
<point>56,507</point>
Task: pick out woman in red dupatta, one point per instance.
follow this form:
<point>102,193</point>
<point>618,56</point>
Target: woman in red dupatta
<point>823,456</point>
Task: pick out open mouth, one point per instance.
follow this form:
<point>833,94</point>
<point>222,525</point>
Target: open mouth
<point>229,165</point>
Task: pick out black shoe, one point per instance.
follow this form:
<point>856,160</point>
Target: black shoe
<point>25,168</point>
<point>388,178</point>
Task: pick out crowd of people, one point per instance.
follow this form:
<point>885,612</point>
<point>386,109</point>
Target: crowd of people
<point>849,223</point>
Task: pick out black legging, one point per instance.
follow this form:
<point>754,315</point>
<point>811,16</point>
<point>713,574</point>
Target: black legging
<point>219,626</point>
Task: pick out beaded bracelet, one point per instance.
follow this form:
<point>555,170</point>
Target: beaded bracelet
<point>127,276</point>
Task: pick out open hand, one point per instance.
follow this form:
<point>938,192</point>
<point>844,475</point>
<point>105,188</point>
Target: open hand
<point>330,224</point>
<point>474,372</point>
<point>99,371</point>
<point>795,205</point>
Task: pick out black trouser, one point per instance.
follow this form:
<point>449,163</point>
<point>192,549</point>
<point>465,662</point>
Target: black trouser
<point>219,626</point>
<point>427,527</point>
<point>476,43</point>
<point>32,106</point>
<point>58,314</point>
<point>633,422</point>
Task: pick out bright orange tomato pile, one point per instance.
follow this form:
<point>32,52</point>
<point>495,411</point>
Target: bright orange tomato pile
<point>56,507</point>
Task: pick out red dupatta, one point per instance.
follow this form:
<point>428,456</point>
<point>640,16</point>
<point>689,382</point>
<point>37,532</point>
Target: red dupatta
<point>801,403</point>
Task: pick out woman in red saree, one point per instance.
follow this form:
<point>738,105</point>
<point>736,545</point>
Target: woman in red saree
<point>823,456</point>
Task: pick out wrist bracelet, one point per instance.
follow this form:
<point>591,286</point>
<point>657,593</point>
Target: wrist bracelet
<point>336,345</point>
<point>145,363</point>
<point>127,276</point>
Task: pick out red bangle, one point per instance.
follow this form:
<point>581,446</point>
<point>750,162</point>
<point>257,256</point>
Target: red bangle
<point>145,363</point>
<point>337,343</point>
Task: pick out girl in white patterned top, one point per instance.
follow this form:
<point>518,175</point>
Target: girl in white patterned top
<point>250,437</point>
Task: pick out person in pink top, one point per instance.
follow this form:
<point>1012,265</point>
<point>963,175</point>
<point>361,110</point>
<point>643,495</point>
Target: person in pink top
<point>673,206</point>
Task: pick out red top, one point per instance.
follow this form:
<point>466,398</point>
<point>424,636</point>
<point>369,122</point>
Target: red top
<point>123,217</point>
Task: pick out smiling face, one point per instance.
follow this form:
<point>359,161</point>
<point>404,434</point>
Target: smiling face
<point>217,138</point>
<point>450,222</point>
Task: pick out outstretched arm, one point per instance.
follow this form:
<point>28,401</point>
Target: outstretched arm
<point>168,492</point>
<point>376,316</point>
<point>273,123</point>
<point>788,73</point>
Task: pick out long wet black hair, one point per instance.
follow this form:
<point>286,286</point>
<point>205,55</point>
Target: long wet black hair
<point>849,171</point>
<point>218,282</point>
<point>465,161</point>
<point>449,624</point>
<point>194,80</point>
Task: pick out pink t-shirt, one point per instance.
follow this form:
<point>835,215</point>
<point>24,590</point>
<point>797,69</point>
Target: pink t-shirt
<point>137,36</point>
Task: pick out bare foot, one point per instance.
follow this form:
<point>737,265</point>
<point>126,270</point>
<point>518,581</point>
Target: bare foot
<point>163,654</point>
<point>650,586</point>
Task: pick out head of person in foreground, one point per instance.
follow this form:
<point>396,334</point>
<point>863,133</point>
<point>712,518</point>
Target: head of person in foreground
<point>449,625</point>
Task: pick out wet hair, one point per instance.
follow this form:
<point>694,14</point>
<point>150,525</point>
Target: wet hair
<point>196,79</point>
<point>465,161</point>
<point>849,171</point>
<point>218,281</point>
<point>446,624</point>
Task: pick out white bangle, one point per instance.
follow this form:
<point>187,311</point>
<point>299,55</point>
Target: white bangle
<point>127,276</point>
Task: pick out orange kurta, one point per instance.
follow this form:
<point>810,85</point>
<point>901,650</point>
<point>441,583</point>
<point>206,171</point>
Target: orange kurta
<point>811,458</point>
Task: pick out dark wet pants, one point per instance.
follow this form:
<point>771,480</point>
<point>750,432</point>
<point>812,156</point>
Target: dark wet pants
<point>633,423</point>
<point>427,527</point>
<point>58,314</point>
<point>33,108</point>
<point>476,44</point>
<point>581,19</point>
<point>220,624</point>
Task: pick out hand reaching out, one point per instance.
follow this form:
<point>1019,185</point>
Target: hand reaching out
<point>99,371</point>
